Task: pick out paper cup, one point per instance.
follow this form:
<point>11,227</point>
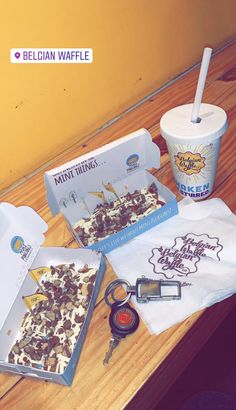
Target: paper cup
<point>194,147</point>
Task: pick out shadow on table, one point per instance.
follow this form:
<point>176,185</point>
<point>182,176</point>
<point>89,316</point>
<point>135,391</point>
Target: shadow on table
<point>210,377</point>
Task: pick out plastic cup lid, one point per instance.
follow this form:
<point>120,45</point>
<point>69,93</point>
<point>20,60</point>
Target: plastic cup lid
<point>176,125</point>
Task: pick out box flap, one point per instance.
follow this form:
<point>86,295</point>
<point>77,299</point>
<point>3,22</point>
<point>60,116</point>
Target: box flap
<point>21,234</point>
<point>110,163</point>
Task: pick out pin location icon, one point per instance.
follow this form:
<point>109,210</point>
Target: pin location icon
<point>17,55</point>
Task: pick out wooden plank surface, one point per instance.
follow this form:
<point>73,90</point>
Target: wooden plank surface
<point>143,362</point>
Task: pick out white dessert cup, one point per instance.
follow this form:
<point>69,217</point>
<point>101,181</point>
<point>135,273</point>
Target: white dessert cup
<point>194,147</point>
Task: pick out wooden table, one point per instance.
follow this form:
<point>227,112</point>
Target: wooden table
<point>144,366</point>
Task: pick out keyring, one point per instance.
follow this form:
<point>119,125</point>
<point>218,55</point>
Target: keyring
<point>110,291</point>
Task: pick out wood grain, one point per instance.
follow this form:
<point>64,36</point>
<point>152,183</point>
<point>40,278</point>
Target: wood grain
<point>144,366</point>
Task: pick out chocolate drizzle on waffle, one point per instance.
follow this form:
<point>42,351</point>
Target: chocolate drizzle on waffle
<point>109,218</point>
<point>50,331</point>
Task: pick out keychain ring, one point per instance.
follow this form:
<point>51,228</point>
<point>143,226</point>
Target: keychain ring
<point>110,290</point>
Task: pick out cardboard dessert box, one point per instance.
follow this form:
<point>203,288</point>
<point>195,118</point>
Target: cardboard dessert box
<point>21,234</point>
<point>74,188</point>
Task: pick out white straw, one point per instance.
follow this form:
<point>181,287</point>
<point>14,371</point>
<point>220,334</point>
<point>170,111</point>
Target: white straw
<point>201,83</point>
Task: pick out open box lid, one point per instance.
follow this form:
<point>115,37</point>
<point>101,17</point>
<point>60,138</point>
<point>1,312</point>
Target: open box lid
<point>21,234</point>
<point>110,163</point>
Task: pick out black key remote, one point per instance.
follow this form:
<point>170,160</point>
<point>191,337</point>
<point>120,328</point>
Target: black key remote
<point>123,321</point>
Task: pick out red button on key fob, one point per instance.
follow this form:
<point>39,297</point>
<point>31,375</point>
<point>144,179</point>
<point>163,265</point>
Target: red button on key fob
<point>123,320</point>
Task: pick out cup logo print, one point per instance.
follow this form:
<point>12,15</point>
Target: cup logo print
<point>183,257</point>
<point>189,163</point>
<point>192,166</point>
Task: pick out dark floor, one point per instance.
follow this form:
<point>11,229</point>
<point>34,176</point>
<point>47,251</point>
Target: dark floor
<point>213,369</point>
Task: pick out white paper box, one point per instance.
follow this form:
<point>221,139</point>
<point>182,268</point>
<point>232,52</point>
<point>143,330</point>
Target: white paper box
<point>122,163</point>
<point>21,234</point>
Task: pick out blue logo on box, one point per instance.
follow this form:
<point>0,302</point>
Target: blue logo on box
<point>17,243</point>
<point>132,162</point>
<point>18,246</point>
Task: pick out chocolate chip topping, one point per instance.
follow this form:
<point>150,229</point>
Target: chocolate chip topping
<point>67,351</point>
<point>112,217</point>
<point>79,319</point>
<point>67,324</point>
<point>49,333</point>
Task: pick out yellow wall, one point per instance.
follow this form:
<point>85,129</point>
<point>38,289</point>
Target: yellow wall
<point>138,45</point>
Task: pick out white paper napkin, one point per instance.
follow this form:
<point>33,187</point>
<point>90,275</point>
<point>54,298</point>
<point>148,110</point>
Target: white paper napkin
<point>196,247</point>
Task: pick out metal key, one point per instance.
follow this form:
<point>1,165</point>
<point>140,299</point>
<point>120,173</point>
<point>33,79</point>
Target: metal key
<point>115,340</point>
<point>123,321</point>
